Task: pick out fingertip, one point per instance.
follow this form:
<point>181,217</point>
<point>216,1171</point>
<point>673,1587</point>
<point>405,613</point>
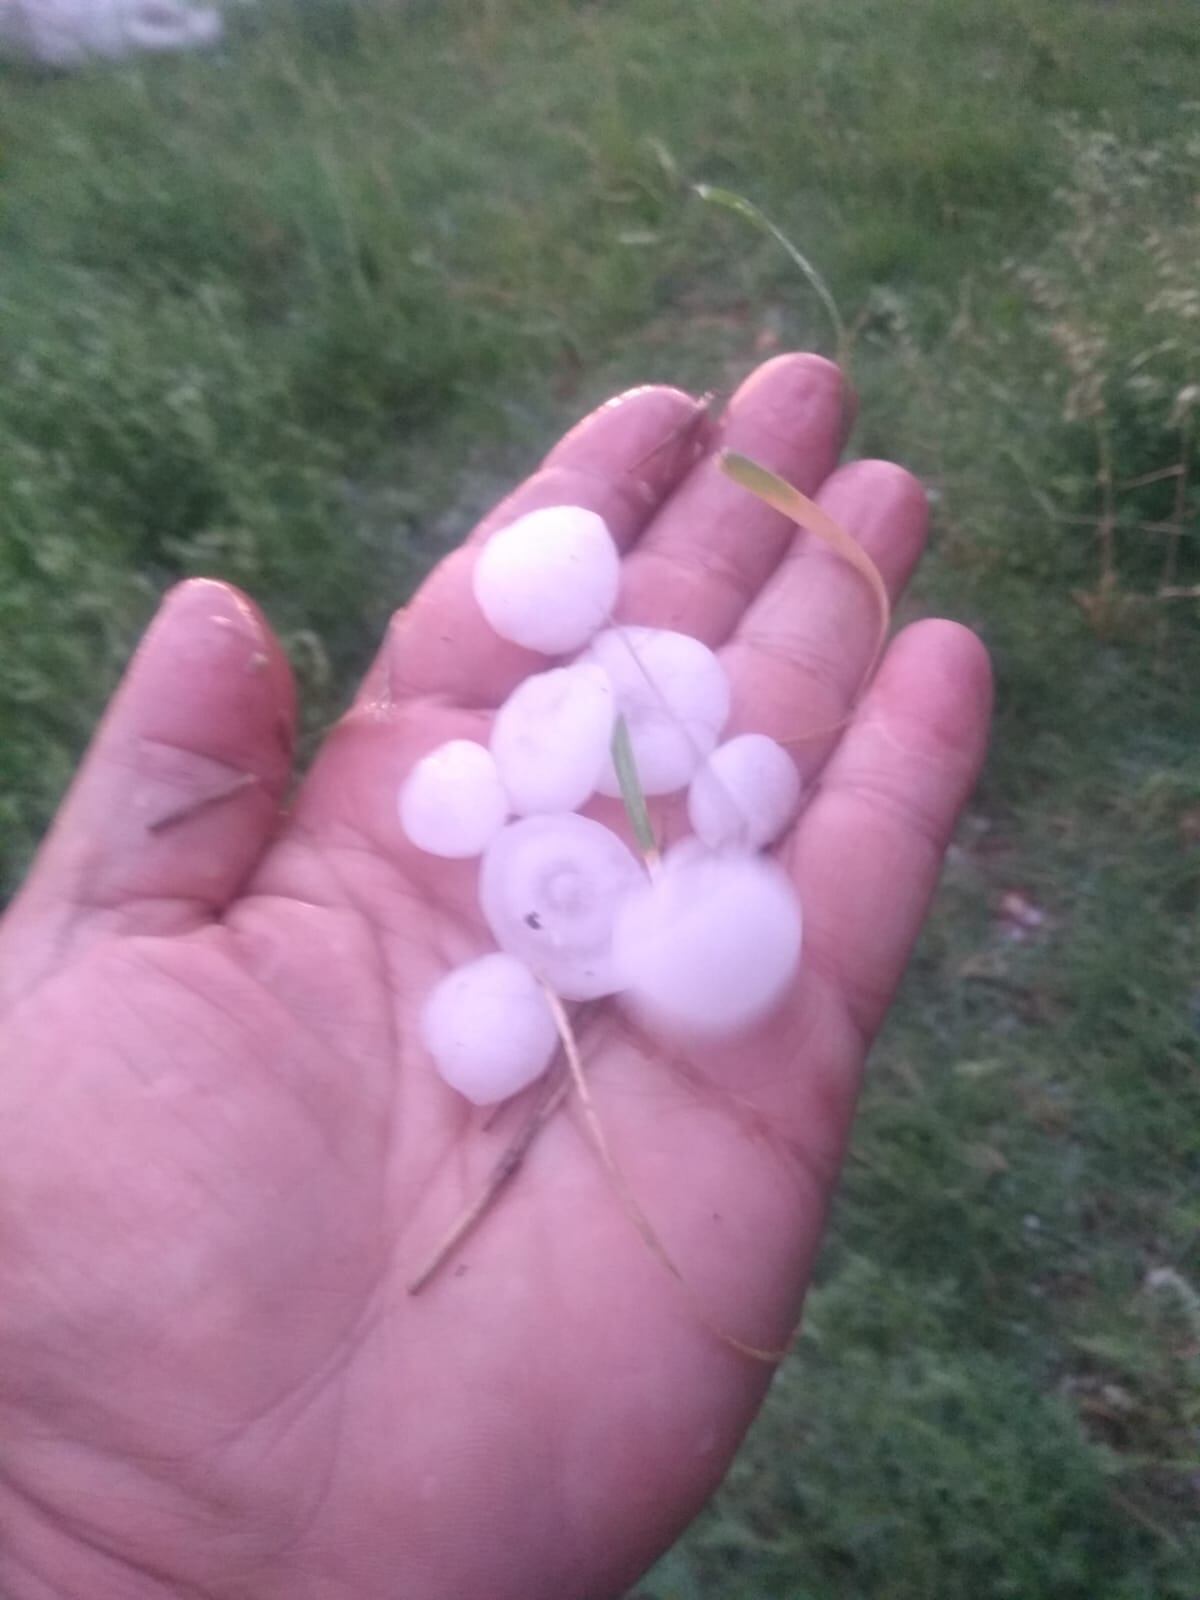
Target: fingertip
<point>791,416</point>
<point>802,367</point>
<point>666,398</point>
<point>204,600</point>
<point>937,681</point>
<point>631,430</point>
<point>888,510</point>
<point>872,477</point>
<point>202,629</point>
<point>949,650</point>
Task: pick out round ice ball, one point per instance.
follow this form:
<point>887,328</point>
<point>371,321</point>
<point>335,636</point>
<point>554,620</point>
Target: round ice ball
<point>710,945</point>
<point>674,696</point>
<point>551,737</point>
<point>745,794</point>
<point>489,1028</point>
<point>453,801</point>
<point>549,889</point>
<point>549,580</point>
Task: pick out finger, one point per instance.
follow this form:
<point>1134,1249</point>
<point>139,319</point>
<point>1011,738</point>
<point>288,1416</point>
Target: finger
<point>868,851</point>
<point>799,656</point>
<point>179,791</point>
<point>620,462</point>
<point>713,546</point>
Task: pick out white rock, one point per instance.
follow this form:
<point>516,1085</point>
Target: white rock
<point>549,580</point>
<point>549,889</point>
<point>489,1029</point>
<point>711,945</point>
<point>453,802</point>
<point>551,738</point>
<point>745,794</point>
<point>674,696</point>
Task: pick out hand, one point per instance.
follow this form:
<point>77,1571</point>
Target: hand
<point>225,1156</point>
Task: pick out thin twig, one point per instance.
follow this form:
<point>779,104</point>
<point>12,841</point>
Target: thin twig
<point>193,808</point>
<point>1132,1509</point>
<point>501,1175</point>
<point>1106,523</point>
<point>1152,477</point>
<point>1178,512</point>
<point>705,406</point>
<point>625,1194</point>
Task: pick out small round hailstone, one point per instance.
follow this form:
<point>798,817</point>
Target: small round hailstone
<point>674,696</point>
<point>549,580</point>
<point>745,794</point>
<point>709,946</point>
<point>549,889</point>
<point>489,1029</point>
<point>551,736</point>
<point>453,801</point>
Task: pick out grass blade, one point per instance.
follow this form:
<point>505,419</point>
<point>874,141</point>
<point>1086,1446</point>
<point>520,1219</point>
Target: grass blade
<point>747,208</point>
<point>631,792</point>
<point>629,1201</point>
<point>782,496</point>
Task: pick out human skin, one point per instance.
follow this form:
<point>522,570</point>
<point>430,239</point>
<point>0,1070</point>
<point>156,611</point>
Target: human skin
<point>225,1156</point>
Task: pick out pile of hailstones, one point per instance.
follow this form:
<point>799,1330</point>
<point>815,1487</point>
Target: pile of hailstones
<point>706,942</point>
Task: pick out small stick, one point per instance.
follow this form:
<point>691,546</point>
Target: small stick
<point>501,1175</point>
<point>193,808</point>
<point>625,1194</point>
<point>705,406</point>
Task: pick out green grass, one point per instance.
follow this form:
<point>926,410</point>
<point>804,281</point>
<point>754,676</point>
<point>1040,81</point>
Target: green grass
<point>295,313</point>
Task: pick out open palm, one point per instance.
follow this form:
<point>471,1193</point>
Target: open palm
<point>225,1155</point>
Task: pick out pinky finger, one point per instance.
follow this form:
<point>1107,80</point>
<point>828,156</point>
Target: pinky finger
<point>869,850</point>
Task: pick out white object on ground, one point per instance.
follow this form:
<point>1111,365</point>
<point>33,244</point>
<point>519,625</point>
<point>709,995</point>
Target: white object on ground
<point>489,1029</point>
<point>453,802</point>
<point>549,580</point>
<point>674,696</point>
<point>710,945</point>
<point>70,33</point>
<point>549,890</point>
<point>551,737</point>
<point>745,794</point>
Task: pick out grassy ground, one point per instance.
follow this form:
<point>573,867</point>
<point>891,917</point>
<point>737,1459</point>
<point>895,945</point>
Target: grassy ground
<point>293,313</point>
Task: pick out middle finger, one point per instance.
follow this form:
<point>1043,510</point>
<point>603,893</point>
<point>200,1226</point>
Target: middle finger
<point>712,546</point>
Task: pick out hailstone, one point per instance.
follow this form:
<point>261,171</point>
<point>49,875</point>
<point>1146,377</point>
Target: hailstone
<point>710,945</point>
<point>745,794</point>
<point>549,889</point>
<point>551,737</point>
<point>489,1029</point>
<point>549,580</point>
<point>453,801</point>
<point>674,696</point>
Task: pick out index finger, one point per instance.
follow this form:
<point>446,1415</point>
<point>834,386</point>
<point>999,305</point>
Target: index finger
<point>622,461</point>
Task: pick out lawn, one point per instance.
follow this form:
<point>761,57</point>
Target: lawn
<point>294,313</point>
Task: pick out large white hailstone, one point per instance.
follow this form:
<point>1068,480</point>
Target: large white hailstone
<point>674,696</point>
<point>549,580</point>
<point>709,946</point>
<point>453,801</point>
<point>745,794</point>
<point>549,889</point>
<point>489,1029</point>
<point>551,738</point>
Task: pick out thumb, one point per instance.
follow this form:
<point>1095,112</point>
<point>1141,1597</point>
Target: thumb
<point>177,795</point>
